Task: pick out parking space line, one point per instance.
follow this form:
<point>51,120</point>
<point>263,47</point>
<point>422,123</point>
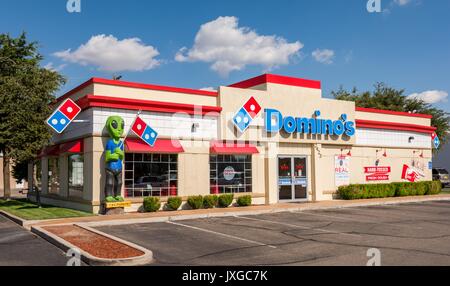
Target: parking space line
<point>222,234</point>
<point>358,220</point>
<point>298,226</point>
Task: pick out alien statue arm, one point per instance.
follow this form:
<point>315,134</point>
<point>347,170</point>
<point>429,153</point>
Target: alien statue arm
<point>112,157</point>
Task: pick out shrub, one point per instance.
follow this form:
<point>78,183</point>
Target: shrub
<point>435,188</point>
<point>421,188</point>
<point>226,200</point>
<point>355,192</point>
<point>195,202</point>
<point>152,204</point>
<point>244,201</point>
<point>210,201</point>
<point>174,203</point>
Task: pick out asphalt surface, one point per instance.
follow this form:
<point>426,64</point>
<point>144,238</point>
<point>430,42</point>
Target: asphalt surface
<point>411,234</point>
<point>19,247</point>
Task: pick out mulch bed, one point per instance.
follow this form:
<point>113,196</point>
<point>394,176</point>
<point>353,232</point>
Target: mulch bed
<point>93,243</point>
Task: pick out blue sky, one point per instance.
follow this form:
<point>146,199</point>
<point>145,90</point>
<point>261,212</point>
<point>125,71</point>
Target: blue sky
<point>335,41</point>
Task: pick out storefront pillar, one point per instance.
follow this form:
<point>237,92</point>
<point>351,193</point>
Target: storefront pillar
<point>271,167</point>
<point>44,176</point>
<point>63,176</point>
<point>316,156</point>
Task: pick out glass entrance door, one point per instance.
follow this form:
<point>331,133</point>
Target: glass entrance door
<point>292,179</point>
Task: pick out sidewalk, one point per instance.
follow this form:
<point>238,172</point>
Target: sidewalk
<point>234,211</point>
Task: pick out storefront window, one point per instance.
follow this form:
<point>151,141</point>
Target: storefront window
<point>154,175</point>
<point>53,175</point>
<point>76,168</point>
<point>231,173</point>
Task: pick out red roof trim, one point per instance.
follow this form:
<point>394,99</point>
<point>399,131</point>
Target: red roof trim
<point>90,101</point>
<point>278,79</point>
<point>227,148</point>
<point>165,146</point>
<point>137,85</point>
<point>390,112</point>
<point>394,126</point>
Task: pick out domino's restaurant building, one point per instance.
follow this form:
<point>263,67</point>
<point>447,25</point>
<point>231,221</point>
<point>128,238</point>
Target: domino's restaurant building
<point>272,137</point>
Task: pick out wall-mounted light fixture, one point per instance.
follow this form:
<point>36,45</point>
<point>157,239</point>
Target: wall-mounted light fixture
<point>194,127</point>
<point>349,153</point>
<point>411,139</point>
<point>419,151</point>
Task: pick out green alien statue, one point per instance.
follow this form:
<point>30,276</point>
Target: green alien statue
<point>114,158</point>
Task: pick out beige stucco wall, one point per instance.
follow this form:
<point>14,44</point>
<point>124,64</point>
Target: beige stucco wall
<point>89,89</point>
<point>393,118</point>
<point>154,95</point>
<point>364,157</point>
<point>193,169</point>
<point>291,101</point>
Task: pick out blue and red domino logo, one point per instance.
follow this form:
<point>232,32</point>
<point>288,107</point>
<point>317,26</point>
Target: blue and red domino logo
<point>436,140</point>
<point>144,131</point>
<point>246,114</point>
<point>63,116</point>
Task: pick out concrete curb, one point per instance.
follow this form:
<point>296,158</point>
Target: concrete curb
<point>64,245</point>
<point>20,221</point>
<point>256,212</point>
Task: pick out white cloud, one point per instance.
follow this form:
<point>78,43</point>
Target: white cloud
<point>431,96</point>
<point>348,57</point>
<point>113,55</point>
<point>50,66</point>
<point>398,3</point>
<point>402,2</point>
<point>229,47</point>
<point>209,88</point>
<point>323,56</point>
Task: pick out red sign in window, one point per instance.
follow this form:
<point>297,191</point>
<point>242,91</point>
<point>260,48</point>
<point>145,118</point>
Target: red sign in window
<point>377,173</point>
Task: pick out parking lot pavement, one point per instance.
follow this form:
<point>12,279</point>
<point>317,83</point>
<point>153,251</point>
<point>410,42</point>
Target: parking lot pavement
<point>411,234</point>
<point>18,247</point>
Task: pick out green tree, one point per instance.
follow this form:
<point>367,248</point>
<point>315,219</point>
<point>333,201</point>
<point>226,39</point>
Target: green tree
<point>388,98</point>
<point>26,95</point>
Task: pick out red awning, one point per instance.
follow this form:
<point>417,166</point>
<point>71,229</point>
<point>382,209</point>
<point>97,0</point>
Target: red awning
<point>49,151</point>
<point>72,147</point>
<point>136,145</point>
<point>227,148</point>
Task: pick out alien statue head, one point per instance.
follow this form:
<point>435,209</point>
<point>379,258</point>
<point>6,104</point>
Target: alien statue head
<point>115,126</point>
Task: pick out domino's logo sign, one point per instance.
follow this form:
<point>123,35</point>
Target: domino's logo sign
<point>63,116</point>
<point>436,141</point>
<point>246,114</point>
<point>144,131</point>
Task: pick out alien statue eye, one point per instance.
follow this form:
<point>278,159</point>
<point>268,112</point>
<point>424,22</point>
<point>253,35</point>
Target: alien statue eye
<point>123,125</point>
<point>114,124</point>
